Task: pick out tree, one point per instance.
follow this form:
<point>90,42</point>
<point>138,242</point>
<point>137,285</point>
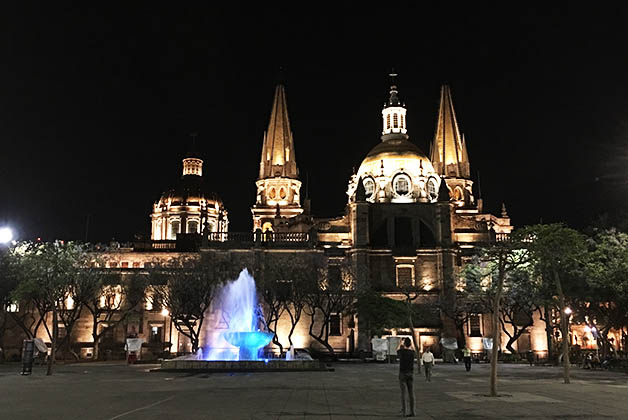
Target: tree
<point>186,286</point>
<point>465,300</point>
<point>559,254</point>
<point>521,300</point>
<point>8,282</point>
<point>490,272</point>
<point>603,305</point>
<point>47,272</point>
<point>110,298</point>
<point>284,288</point>
<point>330,290</point>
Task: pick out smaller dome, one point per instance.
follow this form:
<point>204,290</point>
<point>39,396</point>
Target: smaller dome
<point>189,190</point>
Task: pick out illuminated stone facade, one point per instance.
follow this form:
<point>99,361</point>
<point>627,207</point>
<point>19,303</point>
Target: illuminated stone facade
<point>403,228</point>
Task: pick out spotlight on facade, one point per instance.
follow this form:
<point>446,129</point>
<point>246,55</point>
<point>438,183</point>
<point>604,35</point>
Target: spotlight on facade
<point>165,312</point>
<point>6,235</point>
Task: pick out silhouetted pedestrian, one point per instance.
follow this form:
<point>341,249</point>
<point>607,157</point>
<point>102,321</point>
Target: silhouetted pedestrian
<point>405,354</point>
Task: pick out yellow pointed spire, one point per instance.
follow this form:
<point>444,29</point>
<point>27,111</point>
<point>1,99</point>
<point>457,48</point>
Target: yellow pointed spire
<point>278,159</point>
<point>449,151</point>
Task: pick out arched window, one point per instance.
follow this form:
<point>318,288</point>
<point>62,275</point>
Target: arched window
<point>267,227</point>
<point>193,226</point>
<point>395,121</point>
<point>401,184</point>
<point>432,190</point>
<point>272,194</point>
<point>388,121</point>
<point>369,186</point>
<point>174,229</point>
<point>402,122</point>
<point>282,193</point>
<point>458,195</point>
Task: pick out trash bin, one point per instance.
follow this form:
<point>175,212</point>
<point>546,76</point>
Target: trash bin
<point>28,356</point>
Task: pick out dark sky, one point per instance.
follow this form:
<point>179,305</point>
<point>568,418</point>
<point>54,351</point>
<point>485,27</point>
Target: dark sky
<point>96,105</point>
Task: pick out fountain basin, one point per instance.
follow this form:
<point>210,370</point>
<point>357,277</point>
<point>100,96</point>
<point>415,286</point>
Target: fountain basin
<point>216,366</point>
<point>248,342</point>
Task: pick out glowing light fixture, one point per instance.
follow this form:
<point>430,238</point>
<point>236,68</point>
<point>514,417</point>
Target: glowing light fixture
<point>568,311</point>
<point>165,312</point>
<point>6,235</point>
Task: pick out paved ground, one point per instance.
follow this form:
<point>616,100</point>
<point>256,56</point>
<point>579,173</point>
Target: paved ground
<point>352,391</point>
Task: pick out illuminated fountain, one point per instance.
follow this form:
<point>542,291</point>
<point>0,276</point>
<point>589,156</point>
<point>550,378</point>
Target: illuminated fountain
<point>244,331</point>
<point>235,334</point>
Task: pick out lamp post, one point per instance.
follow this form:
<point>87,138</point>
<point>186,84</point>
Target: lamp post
<point>165,313</point>
<point>568,312</point>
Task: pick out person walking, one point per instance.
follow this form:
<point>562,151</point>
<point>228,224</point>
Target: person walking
<point>405,354</point>
<point>428,362</point>
<point>466,356</point>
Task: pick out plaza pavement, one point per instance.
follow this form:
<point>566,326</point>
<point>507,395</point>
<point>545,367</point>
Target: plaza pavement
<point>109,391</point>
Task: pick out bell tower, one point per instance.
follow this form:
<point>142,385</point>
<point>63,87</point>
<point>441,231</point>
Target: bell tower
<point>278,186</point>
<point>449,153</point>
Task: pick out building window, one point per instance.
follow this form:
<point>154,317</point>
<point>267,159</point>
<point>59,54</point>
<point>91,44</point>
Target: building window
<point>282,193</point>
<point>124,264</point>
<point>369,187</point>
<point>193,226</point>
<point>432,191</point>
<point>405,276</point>
<point>458,195</point>
<point>272,193</point>
<point>402,121</point>
<point>108,334</point>
<point>388,121</point>
<point>174,229</point>
<point>334,277</point>
<point>402,184</point>
<point>13,307</point>
<point>156,333</point>
<point>335,324</point>
<point>62,332</point>
<point>395,121</point>
<point>475,325</point>
<point>137,264</point>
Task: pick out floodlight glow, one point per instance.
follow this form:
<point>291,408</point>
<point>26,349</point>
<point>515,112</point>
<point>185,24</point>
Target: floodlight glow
<point>6,235</point>
<point>568,311</point>
<point>165,312</point>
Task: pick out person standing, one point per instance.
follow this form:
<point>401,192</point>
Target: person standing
<point>405,354</point>
<point>466,355</point>
<point>428,362</point>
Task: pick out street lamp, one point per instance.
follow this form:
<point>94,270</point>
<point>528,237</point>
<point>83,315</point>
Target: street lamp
<point>568,312</point>
<point>6,235</point>
<point>165,312</point>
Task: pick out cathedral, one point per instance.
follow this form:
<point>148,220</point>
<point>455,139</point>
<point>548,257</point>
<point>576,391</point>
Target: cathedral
<point>411,221</point>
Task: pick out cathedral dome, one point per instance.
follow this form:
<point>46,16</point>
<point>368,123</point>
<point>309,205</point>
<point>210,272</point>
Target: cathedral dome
<point>189,206</point>
<point>189,190</point>
<point>395,170</point>
<point>396,154</point>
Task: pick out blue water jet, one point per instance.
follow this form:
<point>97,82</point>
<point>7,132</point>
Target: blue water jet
<point>246,332</point>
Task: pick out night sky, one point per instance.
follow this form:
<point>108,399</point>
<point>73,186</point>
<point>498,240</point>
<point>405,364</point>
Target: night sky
<point>97,105</point>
